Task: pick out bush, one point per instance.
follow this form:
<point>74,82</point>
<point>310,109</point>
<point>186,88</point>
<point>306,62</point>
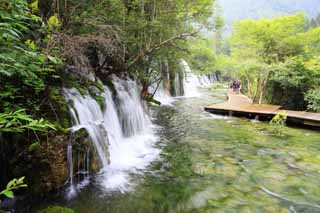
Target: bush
<point>313,99</point>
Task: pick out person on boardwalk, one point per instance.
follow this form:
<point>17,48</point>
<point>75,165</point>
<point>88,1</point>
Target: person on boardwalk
<point>236,86</point>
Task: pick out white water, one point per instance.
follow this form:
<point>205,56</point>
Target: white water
<point>133,151</point>
<point>192,82</point>
<point>72,189</point>
<point>162,95</point>
<point>87,114</point>
<point>124,139</point>
<point>132,116</point>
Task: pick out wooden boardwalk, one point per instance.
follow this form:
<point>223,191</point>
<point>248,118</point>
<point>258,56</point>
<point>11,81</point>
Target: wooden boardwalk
<point>240,105</point>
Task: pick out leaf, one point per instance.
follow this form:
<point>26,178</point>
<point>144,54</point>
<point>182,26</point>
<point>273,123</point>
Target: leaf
<point>6,73</point>
<point>8,194</point>
<point>20,180</point>
<point>11,184</point>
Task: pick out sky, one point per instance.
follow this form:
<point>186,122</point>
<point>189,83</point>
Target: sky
<point>234,10</point>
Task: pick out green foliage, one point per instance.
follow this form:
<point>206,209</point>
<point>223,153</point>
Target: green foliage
<point>150,31</point>
<point>34,147</point>
<point>53,23</point>
<point>276,59</point>
<point>19,121</point>
<point>293,74</point>
<point>313,99</point>
<point>278,123</point>
<point>271,40</point>
<point>13,185</point>
<point>218,85</point>
<point>24,70</point>
<point>203,57</point>
<point>290,81</point>
<point>279,119</point>
<point>34,6</point>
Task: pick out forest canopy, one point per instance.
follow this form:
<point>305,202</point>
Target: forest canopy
<point>277,60</point>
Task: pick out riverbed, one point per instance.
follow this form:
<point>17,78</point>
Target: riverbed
<point>211,163</point>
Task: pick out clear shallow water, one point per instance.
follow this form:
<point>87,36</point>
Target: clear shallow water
<point>212,163</point>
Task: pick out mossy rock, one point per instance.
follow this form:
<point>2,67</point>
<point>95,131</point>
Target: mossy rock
<point>81,133</point>
<point>110,85</point>
<point>151,100</point>
<point>60,117</point>
<point>101,101</point>
<point>99,86</point>
<point>72,81</point>
<point>56,209</point>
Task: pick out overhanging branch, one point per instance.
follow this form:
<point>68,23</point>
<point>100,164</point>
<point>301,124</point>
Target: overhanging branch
<point>150,50</point>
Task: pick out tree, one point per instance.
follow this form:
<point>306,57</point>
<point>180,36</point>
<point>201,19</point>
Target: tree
<point>261,47</point>
<point>202,56</point>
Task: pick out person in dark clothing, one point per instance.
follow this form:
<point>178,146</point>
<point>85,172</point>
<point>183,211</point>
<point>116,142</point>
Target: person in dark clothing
<point>236,86</point>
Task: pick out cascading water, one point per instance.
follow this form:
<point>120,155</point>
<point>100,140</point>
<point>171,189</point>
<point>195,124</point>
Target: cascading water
<point>133,150</point>
<point>192,82</point>
<point>132,115</point>
<point>71,190</point>
<point>162,95</point>
<point>184,85</point>
<point>124,139</point>
<point>87,114</point>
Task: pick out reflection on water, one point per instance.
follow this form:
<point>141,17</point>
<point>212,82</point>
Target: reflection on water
<point>218,164</point>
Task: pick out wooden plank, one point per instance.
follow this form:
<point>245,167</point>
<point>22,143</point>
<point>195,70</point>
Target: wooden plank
<point>240,103</point>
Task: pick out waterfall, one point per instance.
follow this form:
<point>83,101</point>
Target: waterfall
<point>192,81</point>
<point>87,114</point>
<point>162,95</point>
<point>133,148</point>
<point>132,116</point>
<point>186,85</point>
<point>71,190</point>
<point>122,134</point>
<point>87,163</point>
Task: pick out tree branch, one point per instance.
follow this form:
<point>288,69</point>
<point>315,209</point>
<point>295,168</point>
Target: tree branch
<point>150,50</point>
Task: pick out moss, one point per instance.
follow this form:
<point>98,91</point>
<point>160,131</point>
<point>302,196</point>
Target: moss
<point>101,101</point>
<point>34,147</point>
<point>110,85</point>
<point>60,115</point>
<point>99,86</point>
<point>72,81</point>
<point>81,145</point>
<point>82,90</point>
<point>151,100</point>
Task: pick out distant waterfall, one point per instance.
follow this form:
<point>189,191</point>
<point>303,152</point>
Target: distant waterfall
<point>162,94</point>
<point>122,134</point>
<point>192,81</point>
<point>186,84</point>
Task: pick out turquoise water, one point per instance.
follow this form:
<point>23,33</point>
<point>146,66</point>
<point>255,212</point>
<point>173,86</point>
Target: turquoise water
<point>213,163</point>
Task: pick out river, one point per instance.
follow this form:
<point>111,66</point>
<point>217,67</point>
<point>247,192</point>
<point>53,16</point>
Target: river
<point>211,163</point>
